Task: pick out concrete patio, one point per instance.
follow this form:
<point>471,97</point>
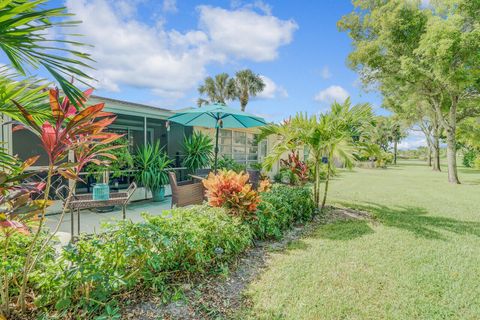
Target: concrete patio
<point>91,221</point>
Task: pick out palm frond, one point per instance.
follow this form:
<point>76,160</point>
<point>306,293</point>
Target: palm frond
<point>25,40</point>
<point>30,93</point>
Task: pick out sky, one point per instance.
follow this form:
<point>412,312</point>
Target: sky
<point>157,52</point>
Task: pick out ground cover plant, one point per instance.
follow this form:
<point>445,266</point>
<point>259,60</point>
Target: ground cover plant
<point>95,271</point>
<point>417,259</point>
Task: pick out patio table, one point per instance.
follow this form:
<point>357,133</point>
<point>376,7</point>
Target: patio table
<point>85,201</point>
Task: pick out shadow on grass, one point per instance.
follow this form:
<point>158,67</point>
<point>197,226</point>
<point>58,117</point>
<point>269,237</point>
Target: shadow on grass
<point>468,171</point>
<point>416,220</point>
<point>344,230</point>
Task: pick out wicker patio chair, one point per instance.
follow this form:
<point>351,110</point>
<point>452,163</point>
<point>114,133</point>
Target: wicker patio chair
<point>254,178</point>
<point>186,193</point>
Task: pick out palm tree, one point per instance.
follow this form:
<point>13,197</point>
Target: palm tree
<point>218,90</point>
<point>248,84</point>
<point>331,136</point>
<point>25,40</point>
<point>340,129</point>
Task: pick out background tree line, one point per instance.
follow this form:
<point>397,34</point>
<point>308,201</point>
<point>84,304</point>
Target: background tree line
<point>424,60</point>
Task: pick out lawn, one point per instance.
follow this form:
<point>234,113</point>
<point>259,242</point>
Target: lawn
<point>419,259</point>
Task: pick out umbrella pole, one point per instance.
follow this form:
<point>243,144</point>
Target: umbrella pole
<point>216,148</point>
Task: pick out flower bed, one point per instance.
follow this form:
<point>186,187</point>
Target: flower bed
<point>89,277</point>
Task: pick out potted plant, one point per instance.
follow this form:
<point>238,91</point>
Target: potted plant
<point>198,149</point>
<point>151,163</point>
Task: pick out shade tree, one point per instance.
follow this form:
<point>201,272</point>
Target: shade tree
<point>428,51</point>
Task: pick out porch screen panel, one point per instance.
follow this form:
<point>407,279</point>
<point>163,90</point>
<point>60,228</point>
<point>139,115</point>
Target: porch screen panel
<point>132,128</point>
<point>25,144</point>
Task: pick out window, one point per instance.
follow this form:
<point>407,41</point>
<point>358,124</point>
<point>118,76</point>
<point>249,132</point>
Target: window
<point>241,146</point>
<point>225,143</point>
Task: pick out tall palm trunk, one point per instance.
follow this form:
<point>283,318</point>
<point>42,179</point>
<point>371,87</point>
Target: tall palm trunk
<point>327,180</point>
<point>243,101</point>
<point>316,186</point>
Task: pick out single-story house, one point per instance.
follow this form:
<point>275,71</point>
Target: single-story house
<point>143,124</point>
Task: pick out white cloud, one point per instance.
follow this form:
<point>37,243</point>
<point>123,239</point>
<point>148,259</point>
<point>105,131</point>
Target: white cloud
<point>272,90</point>
<point>331,94</point>
<point>130,52</point>
<point>169,6</point>
<point>258,4</point>
<point>244,33</point>
<point>412,144</point>
<point>326,74</point>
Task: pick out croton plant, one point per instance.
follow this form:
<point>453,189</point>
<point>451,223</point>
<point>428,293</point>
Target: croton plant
<point>231,190</point>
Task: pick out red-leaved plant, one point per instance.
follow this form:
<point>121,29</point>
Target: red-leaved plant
<point>70,129</point>
<point>297,167</point>
<point>231,190</point>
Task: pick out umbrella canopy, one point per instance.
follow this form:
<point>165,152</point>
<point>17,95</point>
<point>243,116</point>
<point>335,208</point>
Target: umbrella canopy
<point>217,116</point>
<point>209,115</point>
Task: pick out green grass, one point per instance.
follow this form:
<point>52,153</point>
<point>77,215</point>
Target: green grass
<point>420,259</point>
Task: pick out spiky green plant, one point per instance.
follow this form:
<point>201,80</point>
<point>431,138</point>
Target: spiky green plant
<point>198,149</point>
<point>152,163</point>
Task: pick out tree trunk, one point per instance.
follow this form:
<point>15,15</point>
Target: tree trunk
<point>436,153</point>
<point>450,126</point>
<point>429,157</point>
<point>395,150</point>
<point>452,157</point>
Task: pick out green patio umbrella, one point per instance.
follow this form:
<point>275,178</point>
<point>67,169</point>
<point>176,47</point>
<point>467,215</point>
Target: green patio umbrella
<point>217,116</point>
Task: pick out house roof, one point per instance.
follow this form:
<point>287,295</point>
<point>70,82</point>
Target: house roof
<point>132,108</point>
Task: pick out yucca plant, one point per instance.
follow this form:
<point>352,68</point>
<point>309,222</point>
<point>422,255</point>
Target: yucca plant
<point>198,150</point>
<point>152,163</point>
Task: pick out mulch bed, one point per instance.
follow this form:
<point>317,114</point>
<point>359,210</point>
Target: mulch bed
<point>220,297</point>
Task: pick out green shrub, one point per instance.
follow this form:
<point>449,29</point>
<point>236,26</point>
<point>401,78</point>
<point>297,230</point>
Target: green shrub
<point>18,246</point>
<point>280,208</point>
<point>476,163</point>
<point>469,158</point>
<point>226,163</point>
<point>152,254</point>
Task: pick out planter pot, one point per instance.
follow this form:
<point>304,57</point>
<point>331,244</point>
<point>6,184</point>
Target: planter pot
<point>101,191</point>
<point>158,195</point>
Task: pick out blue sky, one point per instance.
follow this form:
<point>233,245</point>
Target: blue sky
<point>158,51</point>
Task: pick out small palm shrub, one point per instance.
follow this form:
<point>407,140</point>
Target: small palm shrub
<point>198,149</point>
<point>231,190</point>
<point>280,209</point>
